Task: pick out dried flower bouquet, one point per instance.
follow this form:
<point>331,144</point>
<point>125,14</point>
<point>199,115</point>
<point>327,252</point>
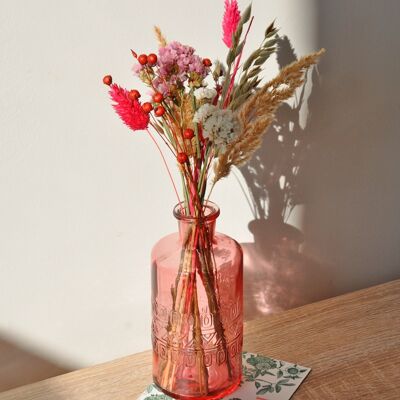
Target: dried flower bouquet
<point>210,117</point>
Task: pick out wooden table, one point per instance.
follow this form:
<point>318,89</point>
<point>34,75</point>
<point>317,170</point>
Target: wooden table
<point>352,343</point>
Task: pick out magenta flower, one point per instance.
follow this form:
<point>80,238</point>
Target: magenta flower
<point>230,21</point>
<point>130,111</point>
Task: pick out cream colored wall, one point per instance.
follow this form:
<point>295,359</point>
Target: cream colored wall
<point>83,199</point>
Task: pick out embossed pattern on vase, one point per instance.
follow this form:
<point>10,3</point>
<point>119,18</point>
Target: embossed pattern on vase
<point>221,356</point>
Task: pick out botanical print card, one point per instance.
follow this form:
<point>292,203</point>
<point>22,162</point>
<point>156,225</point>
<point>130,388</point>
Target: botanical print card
<point>264,378</point>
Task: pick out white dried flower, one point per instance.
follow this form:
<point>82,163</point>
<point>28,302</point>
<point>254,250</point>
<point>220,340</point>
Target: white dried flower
<point>203,112</point>
<point>220,126</point>
<point>205,93</point>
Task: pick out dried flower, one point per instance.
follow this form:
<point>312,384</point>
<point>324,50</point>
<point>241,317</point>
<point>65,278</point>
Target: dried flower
<point>258,112</point>
<point>230,21</point>
<point>219,126</point>
<point>204,93</point>
<point>178,64</point>
<point>162,42</point>
<point>130,111</point>
<point>226,120</point>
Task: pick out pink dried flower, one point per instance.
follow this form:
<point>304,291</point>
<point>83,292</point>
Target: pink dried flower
<point>177,63</point>
<point>137,68</point>
<point>130,111</point>
<point>230,21</point>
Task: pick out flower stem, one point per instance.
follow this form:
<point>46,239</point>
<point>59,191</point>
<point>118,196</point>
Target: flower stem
<point>166,165</point>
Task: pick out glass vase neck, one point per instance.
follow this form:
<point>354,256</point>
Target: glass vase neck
<point>205,220</point>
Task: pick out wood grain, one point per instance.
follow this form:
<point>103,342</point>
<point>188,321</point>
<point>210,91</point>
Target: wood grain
<point>351,342</point>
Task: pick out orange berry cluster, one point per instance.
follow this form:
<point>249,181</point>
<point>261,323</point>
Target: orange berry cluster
<point>134,94</point>
<point>159,110</point>
<point>150,59</point>
<point>182,158</point>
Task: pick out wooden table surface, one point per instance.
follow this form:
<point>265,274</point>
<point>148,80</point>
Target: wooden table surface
<point>351,342</point>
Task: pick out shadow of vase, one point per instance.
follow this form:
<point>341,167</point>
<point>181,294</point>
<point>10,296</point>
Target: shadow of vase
<point>277,275</point>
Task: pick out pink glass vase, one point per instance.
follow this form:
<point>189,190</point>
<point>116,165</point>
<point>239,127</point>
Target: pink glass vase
<point>197,300</point>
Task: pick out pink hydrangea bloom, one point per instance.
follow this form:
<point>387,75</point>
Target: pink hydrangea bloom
<point>177,63</point>
<point>130,111</point>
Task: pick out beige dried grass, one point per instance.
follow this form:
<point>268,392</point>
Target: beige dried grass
<point>162,41</point>
<point>187,111</point>
<point>258,112</point>
<point>184,115</point>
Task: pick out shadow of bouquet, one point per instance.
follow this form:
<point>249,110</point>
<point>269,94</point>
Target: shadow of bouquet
<point>277,274</point>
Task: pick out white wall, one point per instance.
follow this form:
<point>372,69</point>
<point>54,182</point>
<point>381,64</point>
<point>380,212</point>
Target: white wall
<point>82,199</point>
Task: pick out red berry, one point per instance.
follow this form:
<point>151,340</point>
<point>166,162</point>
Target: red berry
<point>107,80</point>
<point>142,59</point>
<point>134,94</point>
<point>147,107</point>
<point>207,62</point>
<point>158,97</point>
<point>152,59</point>
<point>182,158</point>
<point>188,133</point>
<point>160,111</point>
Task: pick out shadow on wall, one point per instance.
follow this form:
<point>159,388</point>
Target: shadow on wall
<point>19,366</point>
<point>278,275</point>
<point>352,176</point>
<point>343,165</point>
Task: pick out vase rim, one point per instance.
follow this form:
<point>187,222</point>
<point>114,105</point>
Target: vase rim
<point>211,212</point>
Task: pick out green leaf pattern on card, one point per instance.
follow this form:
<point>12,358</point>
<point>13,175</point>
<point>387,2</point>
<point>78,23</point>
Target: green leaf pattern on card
<point>264,378</point>
<point>257,368</point>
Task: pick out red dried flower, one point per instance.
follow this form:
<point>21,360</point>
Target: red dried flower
<point>130,111</point>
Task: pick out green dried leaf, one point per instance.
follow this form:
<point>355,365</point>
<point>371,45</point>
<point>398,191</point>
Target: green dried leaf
<point>251,59</point>
<point>246,15</point>
<point>254,72</point>
<point>238,101</point>
<point>239,49</point>
<point>230,57</point>
<point>243,92</point>
<point>264,57</point>
<point>244,82</point>
<point>217,70</point>
<point>270,43</point>
<point>270,30</point>
<point>238,33</point>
